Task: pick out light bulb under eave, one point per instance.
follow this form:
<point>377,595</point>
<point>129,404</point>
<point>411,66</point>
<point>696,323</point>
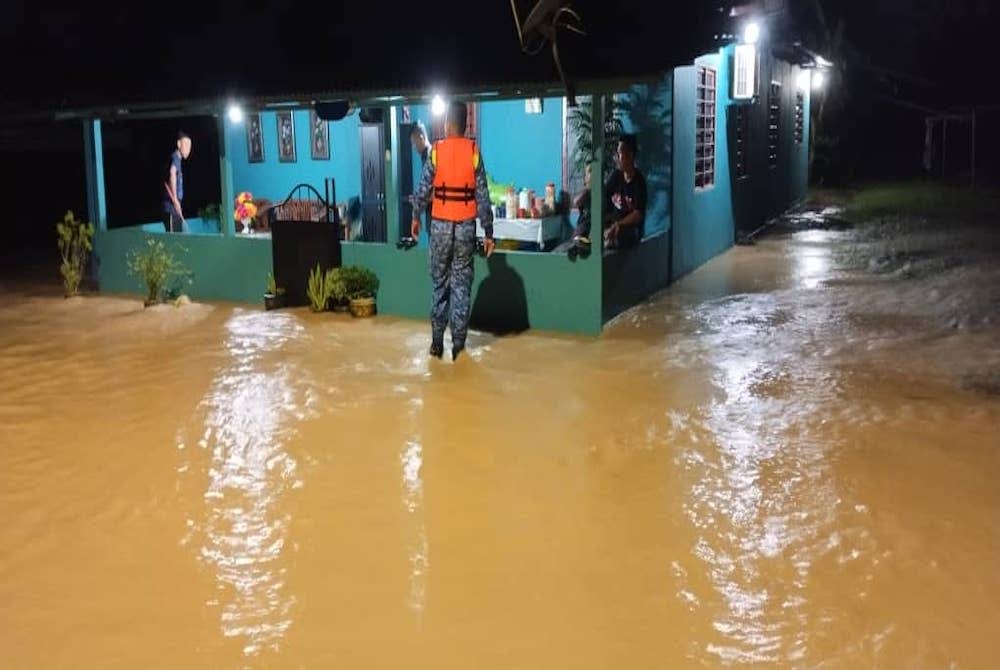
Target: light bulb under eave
<point>437,105</point>
<point>751,33</point>
<point>803,80</point>
<point>235,113</point>
<point>818,79</point>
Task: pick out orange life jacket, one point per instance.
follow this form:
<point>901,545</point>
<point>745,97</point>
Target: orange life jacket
<point>455,161</point>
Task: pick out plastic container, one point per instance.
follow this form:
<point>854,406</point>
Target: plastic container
<point>524,200</point>
<point>550,196</point>
<point>511,204</point>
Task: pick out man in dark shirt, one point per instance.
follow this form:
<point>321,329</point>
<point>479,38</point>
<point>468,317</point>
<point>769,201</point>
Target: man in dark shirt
<point>173,186</point>
<point>625,199</point>
<point>418,138</point>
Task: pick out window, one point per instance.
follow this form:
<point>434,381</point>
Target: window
<point>744,72</point>
<point>800,116</point>
<point>773,123</point>
<point>704,148</point>
<point>742,140</point>
<point>471,128</point>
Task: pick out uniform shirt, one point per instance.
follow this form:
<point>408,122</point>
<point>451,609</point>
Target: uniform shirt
<point>484,210</point>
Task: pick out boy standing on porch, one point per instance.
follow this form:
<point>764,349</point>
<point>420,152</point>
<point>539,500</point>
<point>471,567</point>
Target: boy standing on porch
<point>173,186</point>
<point>454,182</point>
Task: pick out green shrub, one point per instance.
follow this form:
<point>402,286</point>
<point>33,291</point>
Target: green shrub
<point>359,282</point>
<point>158,269</point>
<point>75,244</point>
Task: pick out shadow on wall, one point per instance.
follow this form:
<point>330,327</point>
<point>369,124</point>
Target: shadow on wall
<point>501,304</point>
<point>648,110</point>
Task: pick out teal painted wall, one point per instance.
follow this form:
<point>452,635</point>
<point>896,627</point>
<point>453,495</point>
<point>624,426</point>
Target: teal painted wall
<point>273,179</point>
<point>225,268</point>
<point>702,220</point>
<point>519,148</point>
<point>551,292</point>
<point>647,111</point>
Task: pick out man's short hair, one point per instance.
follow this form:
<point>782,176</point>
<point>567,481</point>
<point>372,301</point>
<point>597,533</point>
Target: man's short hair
<point>630,142</point>
<point>419,129</point>
<point>181,135</point>
<point>458,114</point>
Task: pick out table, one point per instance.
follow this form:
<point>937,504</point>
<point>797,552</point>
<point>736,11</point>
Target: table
<point>534,231</point>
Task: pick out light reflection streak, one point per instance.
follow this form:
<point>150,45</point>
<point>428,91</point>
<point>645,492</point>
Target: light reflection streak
<point>762,498</point>
<point>418,550</point>
<point>250,474</point>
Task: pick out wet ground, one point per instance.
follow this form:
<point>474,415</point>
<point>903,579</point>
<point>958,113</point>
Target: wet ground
<point>788,459</point>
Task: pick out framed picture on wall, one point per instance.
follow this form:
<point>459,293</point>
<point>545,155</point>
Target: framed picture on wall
<point>286,137</point>
<point>255,139</point>
<point>320,136</point>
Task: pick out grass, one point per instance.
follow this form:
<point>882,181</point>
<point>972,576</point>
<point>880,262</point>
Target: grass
<point>930,200</point>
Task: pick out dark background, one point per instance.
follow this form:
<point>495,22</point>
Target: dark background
<point>894,58</point>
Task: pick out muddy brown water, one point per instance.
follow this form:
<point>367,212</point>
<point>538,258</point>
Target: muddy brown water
<point>778,462</point>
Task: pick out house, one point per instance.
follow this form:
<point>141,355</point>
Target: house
<point>724,145</point>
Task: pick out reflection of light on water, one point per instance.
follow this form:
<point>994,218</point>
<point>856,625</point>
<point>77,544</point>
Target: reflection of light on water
<point>812,257</point>
<point>411,460</point>
<point>250,473</point>
<point>759,498</point>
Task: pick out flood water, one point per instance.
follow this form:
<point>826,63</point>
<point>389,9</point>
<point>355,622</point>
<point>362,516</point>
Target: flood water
<point>785,460</point>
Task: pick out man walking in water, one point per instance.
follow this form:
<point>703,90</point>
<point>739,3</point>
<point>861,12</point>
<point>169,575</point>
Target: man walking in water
<point>454,182</point>
<point>173,186</point>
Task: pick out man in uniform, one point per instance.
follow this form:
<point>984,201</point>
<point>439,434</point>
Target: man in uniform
<point>454,183</point>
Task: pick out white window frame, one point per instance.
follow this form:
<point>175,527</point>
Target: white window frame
<point>744,72</point>
<point>706,113</point>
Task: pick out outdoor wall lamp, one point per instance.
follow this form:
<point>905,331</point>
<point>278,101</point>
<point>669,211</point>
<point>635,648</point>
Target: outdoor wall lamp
<point>751,33</point>
<point>437,105</point>
<point>235,113</point>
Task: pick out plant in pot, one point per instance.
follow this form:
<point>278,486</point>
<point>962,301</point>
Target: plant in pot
<point>75,243</point>
<point>338,289</point>
<point>158,269</point>
<point>319,288</point>
<point>275,296</point>
<point>211,216</point>
<point>362,286</point>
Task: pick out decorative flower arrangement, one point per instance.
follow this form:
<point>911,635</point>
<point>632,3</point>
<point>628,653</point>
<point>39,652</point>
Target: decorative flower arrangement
<point>245,209</point>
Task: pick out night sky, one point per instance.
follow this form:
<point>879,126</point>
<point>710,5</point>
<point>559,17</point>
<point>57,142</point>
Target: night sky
<point>937,53</point>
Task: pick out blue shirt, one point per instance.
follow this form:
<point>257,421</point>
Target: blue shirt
<point>175,162</point>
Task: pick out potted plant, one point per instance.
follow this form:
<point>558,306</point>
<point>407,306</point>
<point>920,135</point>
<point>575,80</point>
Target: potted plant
<point>158,269</point>
<point>211,216</point>
<point>362,286</point>
<point>75,243</point>
<point>338,290</point>
<point>275,297</point>
<point>319,289</point>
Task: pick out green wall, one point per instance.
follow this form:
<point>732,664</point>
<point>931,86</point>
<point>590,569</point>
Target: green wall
<point>545,291</point>
<point>542,291</point>
<point>225,268</point>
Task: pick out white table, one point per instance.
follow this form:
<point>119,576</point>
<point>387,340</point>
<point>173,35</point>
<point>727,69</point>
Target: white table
<point>535,231</point>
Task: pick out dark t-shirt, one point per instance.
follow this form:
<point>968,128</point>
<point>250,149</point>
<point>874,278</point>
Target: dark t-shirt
<point>621,198</point>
